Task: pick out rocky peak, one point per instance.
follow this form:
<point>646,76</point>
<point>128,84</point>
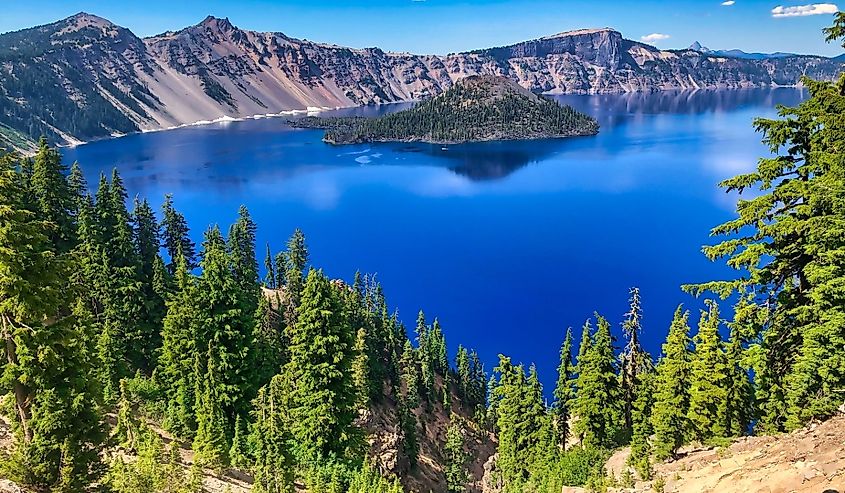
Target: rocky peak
<point>217,24</point>
<point>584,32</point>
<point>596,46</point>
<point>696,46</point>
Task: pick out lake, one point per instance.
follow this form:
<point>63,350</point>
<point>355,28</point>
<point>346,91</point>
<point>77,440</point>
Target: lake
<point>507,243</point>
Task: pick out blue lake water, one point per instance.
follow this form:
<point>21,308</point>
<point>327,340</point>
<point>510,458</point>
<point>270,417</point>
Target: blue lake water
<point>507,243</point>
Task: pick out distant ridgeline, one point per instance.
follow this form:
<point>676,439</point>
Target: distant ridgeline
<point>478,108</point>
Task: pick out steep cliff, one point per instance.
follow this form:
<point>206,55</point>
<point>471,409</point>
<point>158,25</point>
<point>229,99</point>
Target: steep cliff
<point>84,78</point>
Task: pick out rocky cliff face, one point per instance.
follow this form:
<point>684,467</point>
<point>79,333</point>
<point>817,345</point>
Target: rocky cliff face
<point>83,77</point>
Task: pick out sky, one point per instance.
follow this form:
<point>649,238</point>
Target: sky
<point>444,26</point>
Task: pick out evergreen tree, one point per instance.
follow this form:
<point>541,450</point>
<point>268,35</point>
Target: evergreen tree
<point>211,444</point>
<point>54,199</point>
<point>478,392</point>
<point>635,360</point>
<point>408,427</point>
<point>322,395</point>
<point>175,236</point>
<point>708,378</point>
<point>127,429</point>
<point>270,266</point>
<point>225,327</point>
<point>176,360</point>
<point>596,403</point>
<point>456,458</point>
<point>296,261</point>
<point>563,392</point>
<point>641,428</point>
<point>48,361</point>
<point>524,431</point>
<point>671,388</point>
<point>269,342</point>
<point>788,243</point>
<point>273,466</point>
<point>739,407</point>
<point>410,375</point>
<point>360,370</point>
<point>463,372</point>
<point>239,452</point>
<point>77,186</point>
<point>145,235</point>
<point>242,252</point>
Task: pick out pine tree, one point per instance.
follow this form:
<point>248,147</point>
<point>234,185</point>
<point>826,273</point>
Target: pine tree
<point>437,340</point>
<point>296,261</point>
<point>78,187</point>
<point>456,458</point>
<point>425,356</point>
<point>54,199</point>
<point>410,375</point>
<point>360,370</point>
<point>176,360</point>
<point>787,242</point>
<point>241,246</point>
<point>273,467</point>
<point>176,236</point>
<point>739,407</point>
<point>145,235</point>
<point>270,266</point>
<point>48,361</point>
<point>523,428</point>
<point>671,388</point>
<point>708,376</point>
<point>634,359</point>
<point>239,452</point>
<point>322,396</point>
<point>641,428</point>
<point>408,427</point>
<point>270,343</point>
<point>226,327</point>
<point>127,428</point>
<point>211,444</point>
<point>563,392</point>
<point>596,403</point>
<point>463,372</point>
<point>478,389</point>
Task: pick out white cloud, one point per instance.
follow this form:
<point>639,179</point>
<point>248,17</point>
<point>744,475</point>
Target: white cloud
<point>802,10</point>
<point>728,3</point>
<point>654,37</point>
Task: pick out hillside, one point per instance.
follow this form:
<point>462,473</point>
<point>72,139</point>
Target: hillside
<point>84,78</point>
<point>810,460</point>
<point>477,108</point>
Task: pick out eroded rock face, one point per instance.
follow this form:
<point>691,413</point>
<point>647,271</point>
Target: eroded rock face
<point>491,481</point>
<point>87,65</point>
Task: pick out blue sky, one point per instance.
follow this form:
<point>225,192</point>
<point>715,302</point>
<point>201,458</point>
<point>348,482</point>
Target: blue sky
<point>442,26</point>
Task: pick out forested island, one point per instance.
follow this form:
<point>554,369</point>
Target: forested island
<point>134,360</point>
<point>475,109</point>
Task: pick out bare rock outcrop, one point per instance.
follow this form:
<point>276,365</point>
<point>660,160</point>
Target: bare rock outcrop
<point>87,65</point>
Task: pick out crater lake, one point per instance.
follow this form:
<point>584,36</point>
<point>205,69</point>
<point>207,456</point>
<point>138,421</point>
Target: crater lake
<point>506,243</point>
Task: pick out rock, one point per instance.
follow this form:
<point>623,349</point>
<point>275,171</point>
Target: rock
<point>215,69</point>
<point>7,486</point>
<point>491,481</point>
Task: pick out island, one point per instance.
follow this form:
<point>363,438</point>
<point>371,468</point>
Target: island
<point>475,109</point>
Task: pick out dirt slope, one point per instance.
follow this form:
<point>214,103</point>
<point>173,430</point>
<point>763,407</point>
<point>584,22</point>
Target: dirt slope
<point>810,460</point>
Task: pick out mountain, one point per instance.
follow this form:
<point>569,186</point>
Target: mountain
<point>84,78</point>
<point>696,46</point>
<point>476,108</point>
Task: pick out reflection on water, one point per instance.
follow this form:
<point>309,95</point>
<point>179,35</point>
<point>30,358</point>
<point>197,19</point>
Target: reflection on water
<point>218,155</point>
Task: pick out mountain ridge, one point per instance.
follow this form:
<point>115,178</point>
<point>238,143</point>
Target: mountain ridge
<point>84,77</point>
